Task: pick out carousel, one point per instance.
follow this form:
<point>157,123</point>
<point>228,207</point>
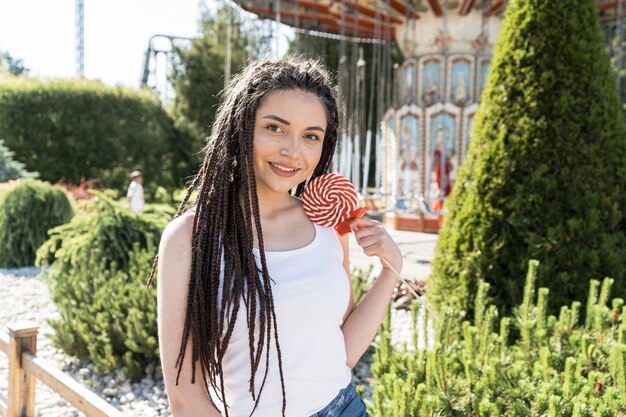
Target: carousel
<point>429,101</point>
<point>425,135</point>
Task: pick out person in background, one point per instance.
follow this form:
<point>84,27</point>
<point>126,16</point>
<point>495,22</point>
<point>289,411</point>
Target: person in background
<point>135,192</point>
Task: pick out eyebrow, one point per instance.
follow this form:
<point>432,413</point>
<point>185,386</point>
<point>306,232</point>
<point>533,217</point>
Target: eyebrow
<point>285,122</point>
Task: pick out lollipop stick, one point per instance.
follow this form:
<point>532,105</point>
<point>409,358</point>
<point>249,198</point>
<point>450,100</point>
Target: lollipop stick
<point>406,284</point>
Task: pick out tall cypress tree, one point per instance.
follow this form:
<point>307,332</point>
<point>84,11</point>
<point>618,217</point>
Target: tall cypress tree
<point>545,175</point>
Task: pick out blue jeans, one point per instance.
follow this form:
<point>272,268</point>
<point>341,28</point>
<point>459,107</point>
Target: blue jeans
<point>346,404</point>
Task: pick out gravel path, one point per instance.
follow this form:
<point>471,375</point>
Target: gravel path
<point>25,297</point>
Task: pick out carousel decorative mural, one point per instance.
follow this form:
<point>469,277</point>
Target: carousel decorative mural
<point>442,79</point>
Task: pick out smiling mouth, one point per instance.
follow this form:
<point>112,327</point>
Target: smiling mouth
<point>282,168</point>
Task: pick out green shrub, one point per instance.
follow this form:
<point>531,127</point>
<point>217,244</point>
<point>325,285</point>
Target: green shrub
<point>11,169</point>
<point>98,264</point>
<point>545,173</point>
<point>159,214</point>
<point>362,280</point>
<point>28,209</point>
<point>559,366</point>
<point>73,128</point>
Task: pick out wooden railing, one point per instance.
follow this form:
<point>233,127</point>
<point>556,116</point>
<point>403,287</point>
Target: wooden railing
<point>20,345</point>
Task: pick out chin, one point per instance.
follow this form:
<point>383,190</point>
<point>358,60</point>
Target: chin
<point>279,188</point>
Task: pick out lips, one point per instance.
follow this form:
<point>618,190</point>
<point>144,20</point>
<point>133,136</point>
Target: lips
<point>284,171</point>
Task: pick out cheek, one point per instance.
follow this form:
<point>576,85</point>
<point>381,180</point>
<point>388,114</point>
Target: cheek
<point>262,145</point>
<point>314,154</point>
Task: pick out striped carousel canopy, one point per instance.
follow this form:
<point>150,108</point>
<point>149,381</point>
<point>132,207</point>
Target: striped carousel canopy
<point>376,19</point>
<point>371,19</point>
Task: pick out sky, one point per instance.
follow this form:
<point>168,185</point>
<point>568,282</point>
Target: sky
<point>42,33</point>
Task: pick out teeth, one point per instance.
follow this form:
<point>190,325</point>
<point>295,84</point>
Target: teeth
<point>283,168</point>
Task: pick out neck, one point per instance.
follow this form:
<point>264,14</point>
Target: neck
<point>271,204</point>
<point>271,207</point>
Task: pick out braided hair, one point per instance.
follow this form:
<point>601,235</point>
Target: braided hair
<point>224,229</point>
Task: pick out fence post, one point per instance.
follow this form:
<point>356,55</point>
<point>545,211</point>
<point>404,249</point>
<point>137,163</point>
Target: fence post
<point>21,398</point>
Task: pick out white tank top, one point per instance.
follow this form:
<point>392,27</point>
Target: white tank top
<point>311,294</point>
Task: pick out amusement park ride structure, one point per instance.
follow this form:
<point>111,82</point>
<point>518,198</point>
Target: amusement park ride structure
<point>426,105</point>
<point>447,47</point>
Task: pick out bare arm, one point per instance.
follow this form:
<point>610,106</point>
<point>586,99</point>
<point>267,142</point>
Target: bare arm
<point>186,399</point>
<point>362,322</point>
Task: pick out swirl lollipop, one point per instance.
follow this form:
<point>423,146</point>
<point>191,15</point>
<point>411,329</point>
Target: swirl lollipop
<point>330,200</point>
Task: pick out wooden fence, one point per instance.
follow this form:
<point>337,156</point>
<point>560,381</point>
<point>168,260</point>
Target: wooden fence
<point>20,345</point>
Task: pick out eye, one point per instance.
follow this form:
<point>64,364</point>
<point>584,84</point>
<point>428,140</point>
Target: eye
<point>312,136</point>
<point>273,128</point>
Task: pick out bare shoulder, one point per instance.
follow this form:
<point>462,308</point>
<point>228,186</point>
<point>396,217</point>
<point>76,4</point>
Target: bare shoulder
<point>175,246</point>
<point>178,232</point>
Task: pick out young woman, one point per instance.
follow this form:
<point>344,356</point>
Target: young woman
<point>255,306</point>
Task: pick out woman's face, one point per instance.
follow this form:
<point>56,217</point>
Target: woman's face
<point>289,131</point>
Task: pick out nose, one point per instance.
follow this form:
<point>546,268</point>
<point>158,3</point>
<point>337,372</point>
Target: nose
<point>290,147</point>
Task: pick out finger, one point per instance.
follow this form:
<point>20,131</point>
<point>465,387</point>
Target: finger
<point>362,222</point>
<point>373,249</point>
<point>368,241</point>
<point>368,231</point>
<point>377,246</point>
<point>368,228</point>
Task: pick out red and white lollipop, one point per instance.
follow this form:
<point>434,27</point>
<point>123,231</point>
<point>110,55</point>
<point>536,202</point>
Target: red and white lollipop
<point>331,200</point>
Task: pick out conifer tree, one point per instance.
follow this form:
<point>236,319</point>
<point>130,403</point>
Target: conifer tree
<point>546,171</point>
<point>28,209</point>
<point>10,169</point>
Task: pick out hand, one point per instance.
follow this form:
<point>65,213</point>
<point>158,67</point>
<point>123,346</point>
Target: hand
<point>375,241</point>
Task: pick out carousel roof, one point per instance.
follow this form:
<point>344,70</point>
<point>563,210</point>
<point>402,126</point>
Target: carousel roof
<point>611,9</point>
<point>375,19</point>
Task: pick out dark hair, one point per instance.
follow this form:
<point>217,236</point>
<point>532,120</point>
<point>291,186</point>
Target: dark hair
<point>223,229</point>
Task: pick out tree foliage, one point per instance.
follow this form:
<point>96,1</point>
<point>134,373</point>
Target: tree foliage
<point>198,75</point>
<point>28,209</point>
<point>11,169</point>
<point>73,128</point>
<point>97,266</point>
<point>545,174</point>
<point>560,366</point>
<point>11,66</point>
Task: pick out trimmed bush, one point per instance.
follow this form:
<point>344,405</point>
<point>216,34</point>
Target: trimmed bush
<point>11,169</point>
<point>98,264</point>
<point>159,214</point>
<point>546,170</point>
<point>560,366</point>
<point>28,209</point>
<point>73,128</point>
